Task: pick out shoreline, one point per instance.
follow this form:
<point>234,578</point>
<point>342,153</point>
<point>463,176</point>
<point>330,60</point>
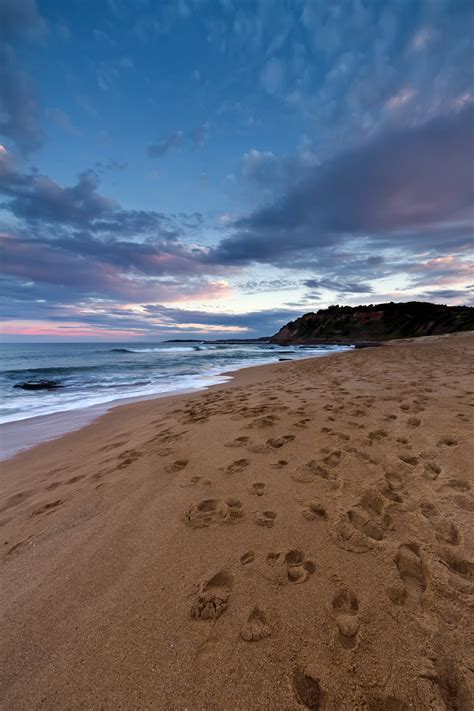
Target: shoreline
<point>299,536</point>
<point>27,433</point>
<point>31,432</point>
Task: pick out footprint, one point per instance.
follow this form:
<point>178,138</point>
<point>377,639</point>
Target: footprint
<point>16,499</point>
<point>333,459</point>
<point>411,570</point>
<point>258,488</point>
<point>448,441</point>
<point>377,435</point>
<point>176,466</point>
<point>307,689</point>
<point>414,421</point>
<point>237,466</point>
<point>47,507</point>
<point>367,522</point>
<point>266,421</point>
<point>247,558</point>
<point>272,444</point>
<point>279,464</point>
<point>432,471</point>
<point>346,605</point>
<point>292,567</point>
<point>213,597</point>
<point>256,626</point>
<point>75,479</point>
<point>446,532</point>
<point>395,480</point>
<point>311,510</point>
<point>458,565</point>
<point>409,459</point>
<point>302,424</point>
<point>128,457</point>
<point>392,495</point>
<point>307,472</point>
<point>266,518</point>
<point>238,442</point>
<point>214,511</point>
<point>363,523</point>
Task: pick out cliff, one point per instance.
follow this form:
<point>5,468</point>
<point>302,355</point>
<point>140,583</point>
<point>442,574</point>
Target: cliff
<point>378,322</point>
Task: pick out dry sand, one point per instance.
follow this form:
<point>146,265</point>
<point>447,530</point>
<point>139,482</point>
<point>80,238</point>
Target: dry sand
<point>299,537</point>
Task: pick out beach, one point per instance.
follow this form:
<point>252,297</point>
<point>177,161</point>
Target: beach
<point>297,537</point>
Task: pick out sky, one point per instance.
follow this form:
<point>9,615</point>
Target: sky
<point>216,168</point>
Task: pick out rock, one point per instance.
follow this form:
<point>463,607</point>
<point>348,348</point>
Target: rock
<point>39,385</point>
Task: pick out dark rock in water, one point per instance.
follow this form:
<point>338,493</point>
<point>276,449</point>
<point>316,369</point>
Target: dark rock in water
<point>285,358</point>
<point>39,385</point>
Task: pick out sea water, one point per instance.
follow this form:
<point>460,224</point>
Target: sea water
<point>98,373</point>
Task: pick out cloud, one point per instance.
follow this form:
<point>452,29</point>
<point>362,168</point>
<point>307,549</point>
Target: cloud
<point>174,140</point>
<point>111,164</point>
<point>84,242</point>
<point>269,174</point>
<point>35,197</point>
<point>198,137</point>
<point>409,188</point>
<point>450,294</point>
<point>342,287</point>
<point>19,113</point>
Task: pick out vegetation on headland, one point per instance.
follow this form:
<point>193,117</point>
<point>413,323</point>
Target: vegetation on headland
<point>376,322</point>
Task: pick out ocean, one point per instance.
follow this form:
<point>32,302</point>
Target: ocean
<point>100,373</point>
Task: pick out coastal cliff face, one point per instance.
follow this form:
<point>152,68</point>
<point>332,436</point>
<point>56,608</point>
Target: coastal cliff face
<point>379,322</point>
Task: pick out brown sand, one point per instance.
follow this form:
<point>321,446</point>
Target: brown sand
<point>299,537</point>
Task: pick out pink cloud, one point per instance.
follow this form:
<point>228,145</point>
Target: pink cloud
<point>65,328</point>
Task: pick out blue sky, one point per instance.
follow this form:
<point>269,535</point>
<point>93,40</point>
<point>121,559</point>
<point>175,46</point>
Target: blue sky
<point>214,167</point>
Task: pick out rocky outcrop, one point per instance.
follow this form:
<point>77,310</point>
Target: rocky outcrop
<point>379,322</point>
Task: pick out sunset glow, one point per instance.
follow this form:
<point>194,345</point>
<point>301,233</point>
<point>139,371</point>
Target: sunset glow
<point>281,157</point>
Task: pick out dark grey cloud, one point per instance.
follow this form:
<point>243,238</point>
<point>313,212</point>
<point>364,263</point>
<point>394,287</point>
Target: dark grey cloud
<point>411,187</point>
<point>464,296</point>
<point>79,240</point>
<point>41,202</point>
<point>343,287</point>
<point>37,197</point>
<point>19,112</point>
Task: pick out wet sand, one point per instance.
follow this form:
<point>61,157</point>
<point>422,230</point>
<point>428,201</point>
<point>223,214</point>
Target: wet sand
<point>299,537</point>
